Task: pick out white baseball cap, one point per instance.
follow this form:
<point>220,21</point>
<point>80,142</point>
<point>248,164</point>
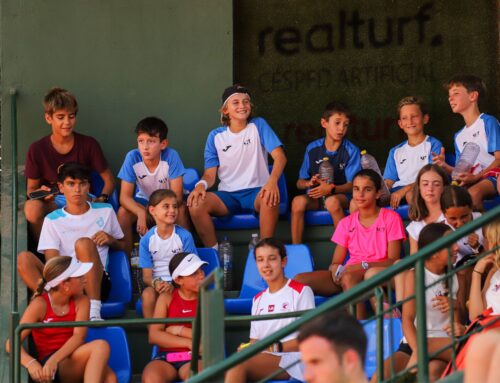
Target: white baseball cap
<point>74,270</point>
<point>189,264</point>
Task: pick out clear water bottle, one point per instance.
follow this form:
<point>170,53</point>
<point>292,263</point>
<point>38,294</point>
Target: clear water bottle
<point>325,171</point>
<point>466,160</point>
<point>253,241</point>
<point>137,283</point>
<point>226,260</point>
<point>369,162</point>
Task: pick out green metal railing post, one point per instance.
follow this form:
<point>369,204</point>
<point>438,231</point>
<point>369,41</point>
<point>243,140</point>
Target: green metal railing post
<point>452,307</point>
<point>422,354</point>
<point>379,296</point>
<point>14,310</point>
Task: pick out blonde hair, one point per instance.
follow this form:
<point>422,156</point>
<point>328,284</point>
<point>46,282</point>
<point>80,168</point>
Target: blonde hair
<point>492,234</point>
<point>52,269</point>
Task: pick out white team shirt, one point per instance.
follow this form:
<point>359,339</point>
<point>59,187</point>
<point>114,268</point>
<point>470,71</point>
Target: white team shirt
<point>61,230</point>
<point>294,296</point>
<point>415,227</point>
<point>405,161</point>
<point>241,157</point>
<point>155,252</point>
<point>493,293</point>
<point>485,132</point>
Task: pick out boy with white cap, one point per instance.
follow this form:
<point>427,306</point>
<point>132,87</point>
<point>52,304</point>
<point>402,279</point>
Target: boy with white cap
<point>237,154</point>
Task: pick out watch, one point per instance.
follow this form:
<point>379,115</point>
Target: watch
<point>104,197</point>
<point>364,265</point>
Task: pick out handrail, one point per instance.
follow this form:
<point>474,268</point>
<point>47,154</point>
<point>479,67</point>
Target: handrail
<point>357,292</point>
<point>14,309</point>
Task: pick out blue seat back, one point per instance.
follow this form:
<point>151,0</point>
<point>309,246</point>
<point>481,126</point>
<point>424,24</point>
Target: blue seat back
<point>189,179</point>
<point>299,260</point>
<point>209,255</point>
<point>97,183</point>
<point>283,193</point>
<point>450,158</point>
<point>119,358</point>
<point>119,273</point>
<point>371,349</point>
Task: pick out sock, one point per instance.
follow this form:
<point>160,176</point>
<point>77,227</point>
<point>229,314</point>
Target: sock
<point>216,246</point>
<point>95,309</point>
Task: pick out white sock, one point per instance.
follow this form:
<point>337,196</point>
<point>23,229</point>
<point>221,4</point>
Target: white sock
<point>216,246</point>
<point>95,309</point>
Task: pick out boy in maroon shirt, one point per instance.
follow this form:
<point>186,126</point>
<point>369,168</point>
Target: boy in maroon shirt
<point>46,155</point>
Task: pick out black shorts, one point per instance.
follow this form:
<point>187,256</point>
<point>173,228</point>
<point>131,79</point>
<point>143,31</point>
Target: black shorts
<point>105,286</point>
<point>162,355</point>
<point>405,348</point>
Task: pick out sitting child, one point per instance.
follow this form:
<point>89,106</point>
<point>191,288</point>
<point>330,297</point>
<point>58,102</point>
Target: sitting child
<point>437,297</point>
<point>158,247</point>
<point>464,93</point>
<point>344,157</point>
<point>372,236</point>
<point>83,230</point>
<point>62,354</point>
<point>282,295</point>
<point>237,153</point>
<point>62,146</point>
<point>175,340</point>
<point>407,158</point>
<point>150,167</point>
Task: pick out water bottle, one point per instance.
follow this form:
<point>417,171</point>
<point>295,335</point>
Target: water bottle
<point>369,162</point>
<point>137,283</point>
<point>226,260</point>
<point>325,171</point>
<point>466,160</point>
<point>253,241</point>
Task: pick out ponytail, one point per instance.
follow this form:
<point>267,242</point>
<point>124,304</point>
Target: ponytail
<point>39,288</point>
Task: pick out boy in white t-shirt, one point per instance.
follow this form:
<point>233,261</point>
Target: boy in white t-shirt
<point>406,159</point>
<point>81,229</point>
<point>152,166</point>
<point>464,93</point>
<point>237,153</point>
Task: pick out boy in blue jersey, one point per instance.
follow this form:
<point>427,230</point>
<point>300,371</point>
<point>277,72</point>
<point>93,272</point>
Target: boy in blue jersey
<point>464,93</point>
<point>150,167</point>
<point>344,157</point>
<point>406,159</point>
<point>237,153</point>
<point>84,230</point>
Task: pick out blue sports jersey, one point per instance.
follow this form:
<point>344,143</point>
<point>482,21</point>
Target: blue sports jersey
<point>155,253</point>
<point>346,160</point>
<point>485,132</point>
<point>241,157</point>
<point>405,161</point>
<point>135,171</point>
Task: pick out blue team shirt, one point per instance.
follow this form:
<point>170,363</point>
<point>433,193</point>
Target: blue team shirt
<point>134,170</point>
<point>346,160</point>
<point>241,157</point>
<point>155,253</point>
<point>405,161</point>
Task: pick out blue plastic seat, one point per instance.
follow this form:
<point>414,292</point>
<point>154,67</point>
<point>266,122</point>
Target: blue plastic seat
<point>371,350</point>
<point>119,358</point>
<point>121,286</point>
<point>206,254</point>
<point>299,261</point>
<point>490,204</point>
<point>248,219</point>
<point>189,179</point>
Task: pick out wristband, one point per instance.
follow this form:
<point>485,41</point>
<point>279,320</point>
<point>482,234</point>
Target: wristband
<point>104,196</point>
<point>333,188</point>
<point>202,182</point>
<point>480,273</point>
<point>31,361</point>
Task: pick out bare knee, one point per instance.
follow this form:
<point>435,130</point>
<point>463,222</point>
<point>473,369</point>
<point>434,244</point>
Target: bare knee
<point>24,261</point>
<point>299,204</point>
<point>348,280</point>
<point>86,249</point>
<point>34,211</point>
<point>333,204</point>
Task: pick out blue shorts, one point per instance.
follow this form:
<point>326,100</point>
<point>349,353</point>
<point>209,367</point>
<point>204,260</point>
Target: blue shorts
<point>494,181</point>
<point>57,378</point>
<point>239,201</point>
<point>162,355</point>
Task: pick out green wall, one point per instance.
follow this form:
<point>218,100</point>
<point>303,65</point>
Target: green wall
<point>124,60</point>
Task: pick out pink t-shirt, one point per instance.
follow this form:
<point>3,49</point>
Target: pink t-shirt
<point>369,244</point>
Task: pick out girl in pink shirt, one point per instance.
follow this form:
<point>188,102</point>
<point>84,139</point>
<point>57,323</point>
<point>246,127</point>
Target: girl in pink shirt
<point>372,236</point>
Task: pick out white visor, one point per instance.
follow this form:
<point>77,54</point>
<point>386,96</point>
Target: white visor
<point>75,269</point>
<point>188,266</point>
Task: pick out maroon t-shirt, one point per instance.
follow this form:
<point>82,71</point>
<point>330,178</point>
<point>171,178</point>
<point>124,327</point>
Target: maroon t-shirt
<point>42,160</point>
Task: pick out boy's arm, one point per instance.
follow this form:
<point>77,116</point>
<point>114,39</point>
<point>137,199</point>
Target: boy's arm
<point>177,187</point>
<point>109,182</point>
<point>206,182</point>
<point>101,238</point>
<point>439,159</point>
<point>469,178</point>
<point>270,191</point>
<point>127,201</point>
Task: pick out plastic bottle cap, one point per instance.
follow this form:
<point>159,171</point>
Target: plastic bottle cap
<point>136,243</point>
<point>325,158</point>
<point>363,152</point>
<point>454,183</point>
